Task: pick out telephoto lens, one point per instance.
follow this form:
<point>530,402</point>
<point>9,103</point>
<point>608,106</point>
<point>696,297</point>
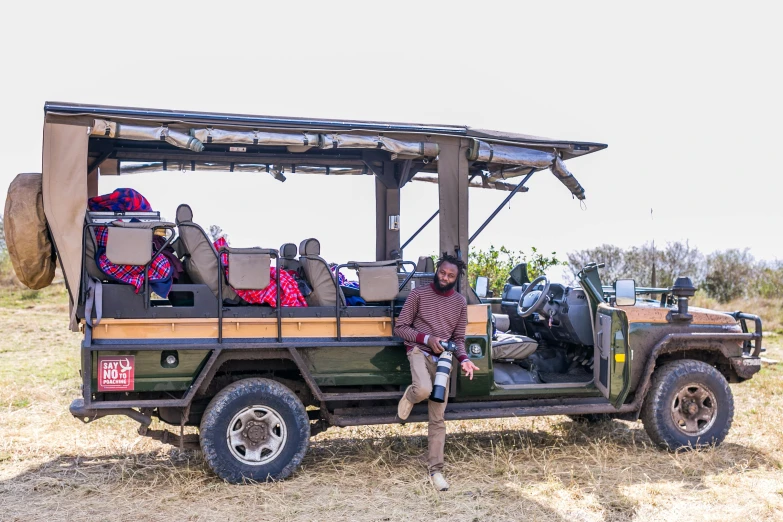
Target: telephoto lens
<point>442,372</point>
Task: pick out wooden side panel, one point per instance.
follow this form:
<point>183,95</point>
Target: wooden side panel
<point>263,328</point>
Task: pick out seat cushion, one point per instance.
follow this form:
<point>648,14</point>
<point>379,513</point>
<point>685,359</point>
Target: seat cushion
<point>513,347</point>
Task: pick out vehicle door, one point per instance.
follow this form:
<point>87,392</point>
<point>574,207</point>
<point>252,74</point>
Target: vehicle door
<point>612,361</point>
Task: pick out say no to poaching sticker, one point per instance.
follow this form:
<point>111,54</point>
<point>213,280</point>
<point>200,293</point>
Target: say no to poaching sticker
<point>115,372</point>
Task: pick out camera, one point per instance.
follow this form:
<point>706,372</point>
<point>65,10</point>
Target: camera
<point>442,372</point>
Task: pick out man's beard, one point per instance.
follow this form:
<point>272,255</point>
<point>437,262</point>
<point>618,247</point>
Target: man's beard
<point>441,288</point>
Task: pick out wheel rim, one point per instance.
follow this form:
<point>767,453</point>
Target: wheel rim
<point>256,435</point>
<point>694,409</point>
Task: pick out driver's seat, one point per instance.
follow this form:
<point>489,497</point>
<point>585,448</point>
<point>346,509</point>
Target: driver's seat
<point>512,347</point>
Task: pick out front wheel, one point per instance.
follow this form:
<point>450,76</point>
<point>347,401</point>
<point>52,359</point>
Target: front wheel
<point>254,429</point>
<point>689,405</point>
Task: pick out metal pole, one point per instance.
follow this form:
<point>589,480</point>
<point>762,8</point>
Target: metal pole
<point>427,222</point>
<point>420,229</point>
<point>495,213</point>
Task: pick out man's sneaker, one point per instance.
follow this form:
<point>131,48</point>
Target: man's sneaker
<point>405,406</point>
<point>439,482</point>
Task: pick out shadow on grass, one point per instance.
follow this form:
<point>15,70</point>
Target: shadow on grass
<point>600,460</point>
<point>496,469</point>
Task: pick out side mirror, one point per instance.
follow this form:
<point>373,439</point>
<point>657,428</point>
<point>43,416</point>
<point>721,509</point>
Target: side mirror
<point>482,283</point>
<point>625,292</point>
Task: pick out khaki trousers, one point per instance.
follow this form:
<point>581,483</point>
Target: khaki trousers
<point>423,374</point>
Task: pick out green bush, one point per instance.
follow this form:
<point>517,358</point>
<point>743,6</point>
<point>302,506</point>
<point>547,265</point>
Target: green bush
<point>729,274</point>
<point>767,280</point>
<point>495,264</point>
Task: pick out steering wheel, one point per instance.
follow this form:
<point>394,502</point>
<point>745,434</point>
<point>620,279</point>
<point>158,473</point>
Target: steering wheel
<point>527,310</point>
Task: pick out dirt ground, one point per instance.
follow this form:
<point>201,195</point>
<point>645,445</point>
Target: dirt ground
<point>548,468</point>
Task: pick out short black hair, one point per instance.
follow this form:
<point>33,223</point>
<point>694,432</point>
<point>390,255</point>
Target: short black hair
<point>454,260</point>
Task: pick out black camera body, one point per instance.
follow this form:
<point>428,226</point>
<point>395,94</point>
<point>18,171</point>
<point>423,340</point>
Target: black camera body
<point>448,346</point>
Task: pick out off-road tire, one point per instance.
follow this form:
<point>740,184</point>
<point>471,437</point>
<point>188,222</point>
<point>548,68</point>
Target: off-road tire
<point>657,411</point>
<point>240,396</point>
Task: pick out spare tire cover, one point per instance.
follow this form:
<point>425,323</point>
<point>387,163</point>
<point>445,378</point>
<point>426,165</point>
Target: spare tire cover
<point>26,233</point>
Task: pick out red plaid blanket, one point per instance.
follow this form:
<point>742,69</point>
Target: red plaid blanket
<point>159,273</point>
<point>160,268</point>
<point>289,289</point>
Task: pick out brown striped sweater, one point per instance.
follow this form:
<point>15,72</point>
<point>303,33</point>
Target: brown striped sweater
<point>430,312</point>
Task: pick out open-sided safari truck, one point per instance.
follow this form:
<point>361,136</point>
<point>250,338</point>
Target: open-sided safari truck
<point>257,380</point>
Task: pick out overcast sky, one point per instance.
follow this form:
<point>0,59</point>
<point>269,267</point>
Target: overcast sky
<point>687,95</point>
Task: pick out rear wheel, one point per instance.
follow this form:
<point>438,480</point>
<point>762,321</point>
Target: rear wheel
<point>254,429</point>
<point>689,405</point>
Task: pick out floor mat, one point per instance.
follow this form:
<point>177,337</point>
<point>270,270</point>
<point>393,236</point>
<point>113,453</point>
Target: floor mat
<point>564,377</point>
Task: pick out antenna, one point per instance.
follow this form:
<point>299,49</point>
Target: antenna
<point>652,278</point>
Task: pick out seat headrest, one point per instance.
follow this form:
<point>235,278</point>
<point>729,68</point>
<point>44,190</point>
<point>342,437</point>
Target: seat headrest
<point>425,264</point>
<point>184,213</point>
<point>310,247</point>
<point>288,251</point>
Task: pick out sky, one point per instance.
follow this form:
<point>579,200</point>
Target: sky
<point>686,95</point>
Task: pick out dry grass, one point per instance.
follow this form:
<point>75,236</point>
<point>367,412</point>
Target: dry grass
<point>551,469</point>
<point>770,310</point>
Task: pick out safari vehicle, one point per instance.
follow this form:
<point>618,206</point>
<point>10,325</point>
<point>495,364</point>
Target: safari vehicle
<point>259,381</point>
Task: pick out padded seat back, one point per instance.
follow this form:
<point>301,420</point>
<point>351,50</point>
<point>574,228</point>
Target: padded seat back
<point>425,264</point>
<point>90,247</point>
<point>288,261</point>
<point>316,271</point>
<point>201,258</point>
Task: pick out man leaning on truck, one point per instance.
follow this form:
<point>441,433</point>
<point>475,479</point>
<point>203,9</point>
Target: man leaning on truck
<point>431,314</point>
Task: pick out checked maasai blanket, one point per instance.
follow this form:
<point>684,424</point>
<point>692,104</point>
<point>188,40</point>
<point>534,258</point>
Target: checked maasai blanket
<point>289,289</point>
<point>159,273</point>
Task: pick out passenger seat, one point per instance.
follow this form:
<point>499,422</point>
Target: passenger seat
<point>513,347</point>
<point>425,264</point>
<point>288,260</point>
<point>201,258</point>
<point>316,271</point>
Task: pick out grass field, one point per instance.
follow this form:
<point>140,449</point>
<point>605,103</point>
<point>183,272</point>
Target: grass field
<point>548,468</point>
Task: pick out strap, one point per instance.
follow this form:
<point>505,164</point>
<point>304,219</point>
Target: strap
<point>94,298</point>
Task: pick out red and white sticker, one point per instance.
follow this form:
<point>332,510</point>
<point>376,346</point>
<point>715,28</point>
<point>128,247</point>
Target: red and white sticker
<point>115,373</point>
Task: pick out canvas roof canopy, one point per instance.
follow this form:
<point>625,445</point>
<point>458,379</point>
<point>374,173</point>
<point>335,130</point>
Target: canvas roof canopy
<point>81,141</point>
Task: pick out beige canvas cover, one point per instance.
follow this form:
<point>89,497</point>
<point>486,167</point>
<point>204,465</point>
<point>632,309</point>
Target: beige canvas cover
<point>378,281</point>
<point>248,268</point>
<point>65,197</point>
<point>26,234</point>
<point>129,246</point>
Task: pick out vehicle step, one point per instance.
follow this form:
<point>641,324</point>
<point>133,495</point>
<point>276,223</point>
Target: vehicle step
<point>362,396</point>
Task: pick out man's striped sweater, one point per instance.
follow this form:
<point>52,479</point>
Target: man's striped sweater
<point>428,311</point>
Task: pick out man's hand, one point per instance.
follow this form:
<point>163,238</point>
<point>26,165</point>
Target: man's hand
<point>434,344</point>
<point>468,367</point>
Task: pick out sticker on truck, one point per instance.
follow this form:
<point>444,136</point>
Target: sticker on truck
<point>115,373</point>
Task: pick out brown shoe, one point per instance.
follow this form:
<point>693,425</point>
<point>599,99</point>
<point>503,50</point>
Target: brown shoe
<point>405,406</point>
<point>439,482</point>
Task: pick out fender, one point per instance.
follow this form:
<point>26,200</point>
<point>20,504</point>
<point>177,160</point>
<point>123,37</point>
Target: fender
<point>680,342</point>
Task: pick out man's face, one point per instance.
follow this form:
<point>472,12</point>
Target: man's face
<point>446,276</point>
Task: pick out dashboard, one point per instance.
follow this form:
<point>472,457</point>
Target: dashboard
<point>567,308</point>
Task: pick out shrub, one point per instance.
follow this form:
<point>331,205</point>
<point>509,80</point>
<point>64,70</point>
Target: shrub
<point>673,260</point>
<point>495,264</point>
<point>729,274</point>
